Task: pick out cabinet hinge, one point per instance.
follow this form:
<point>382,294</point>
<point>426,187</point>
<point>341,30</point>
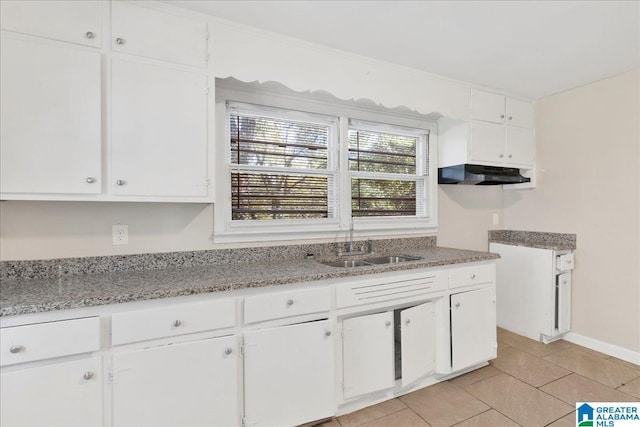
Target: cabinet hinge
<point>112,377</point>
<point>207,91</point>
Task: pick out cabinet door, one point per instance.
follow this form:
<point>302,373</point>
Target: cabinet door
<point>520,147</point>
<point>63,394</point>
<point>473,328</point>
<point>289,374</point>
<point>519,113</point>
<point>418,331</point>
<point>50,114</point>
<point>488,107</point>
<point>368,354</point>
<point>159,131</point>
<point>71,21</point>
<point>487,142</point>
<point>146,32</point>
<point>188,384</point>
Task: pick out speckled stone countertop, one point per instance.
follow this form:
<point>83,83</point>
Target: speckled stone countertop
<point>534,239</point>
<point>34,295</point>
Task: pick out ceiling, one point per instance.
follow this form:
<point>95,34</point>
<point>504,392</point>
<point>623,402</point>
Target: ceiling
<point>530,48</point>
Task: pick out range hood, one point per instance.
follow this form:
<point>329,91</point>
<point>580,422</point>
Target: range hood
<point>480,175</point>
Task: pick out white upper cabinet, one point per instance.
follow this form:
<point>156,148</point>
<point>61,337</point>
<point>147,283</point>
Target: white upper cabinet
<point>520,149</point>
<point>519,113</point>
<point>491,107</point>
<point>138,30</point>
<point>487,143</point>
<point>487,106</point>
<point>158,131</point>
<point>70,21</point>
<point>50,113</point>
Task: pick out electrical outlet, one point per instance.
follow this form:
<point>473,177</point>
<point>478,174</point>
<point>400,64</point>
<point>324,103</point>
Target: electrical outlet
<point>496,219</point>
<point>120,234</point>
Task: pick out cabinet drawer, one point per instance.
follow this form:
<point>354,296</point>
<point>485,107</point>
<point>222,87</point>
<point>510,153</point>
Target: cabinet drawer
<point>146,32</point>
<point>20,344</point>
<point>564,262</point>
<point>378,289</point>
<point>284,304</point>
<point>170,321</point>
<point>472,275</point>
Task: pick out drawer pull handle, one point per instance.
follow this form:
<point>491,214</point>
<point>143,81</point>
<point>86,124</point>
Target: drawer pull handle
<point>407,321</point>
<point>228,350</point>
<point>289,302</point>
<point>327,333</point>
<point>88,375</point>
<point>457,305</point>
<point>16,349</point>
<point>121,182</point>
<point>90,180</point>
<point>387,323</point>
<point>177,323</point>
<point>473,276</point>
<point>121,41</point>
<point>90,35</point>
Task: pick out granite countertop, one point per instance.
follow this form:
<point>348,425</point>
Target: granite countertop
<point>36,295</point>
<point>534,239</point>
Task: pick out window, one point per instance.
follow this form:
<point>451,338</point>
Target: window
<point>388,170</point>
<point>302,169</point>
<point>280,164</point>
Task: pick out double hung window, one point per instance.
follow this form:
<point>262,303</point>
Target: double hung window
<point>291,174</point>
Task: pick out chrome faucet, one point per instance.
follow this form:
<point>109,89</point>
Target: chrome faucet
<point>350,250</point>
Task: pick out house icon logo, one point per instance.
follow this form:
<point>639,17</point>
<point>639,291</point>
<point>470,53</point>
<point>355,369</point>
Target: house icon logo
<point>584,417</point>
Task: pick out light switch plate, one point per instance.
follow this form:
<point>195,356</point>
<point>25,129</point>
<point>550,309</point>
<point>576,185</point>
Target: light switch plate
<point>120,233</point>
<point>496,219</point>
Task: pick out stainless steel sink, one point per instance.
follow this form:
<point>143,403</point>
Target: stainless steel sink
<point>347,264</point>
<point>392,259</point>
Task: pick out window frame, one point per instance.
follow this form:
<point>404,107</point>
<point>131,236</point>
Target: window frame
<point>305,107</point>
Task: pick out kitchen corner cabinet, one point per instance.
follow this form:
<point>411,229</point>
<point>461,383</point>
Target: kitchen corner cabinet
<point>288,374</point>
<point>51,112</point>
<point>473,327</point>
<point>158,131</point>
<point>199,389</point>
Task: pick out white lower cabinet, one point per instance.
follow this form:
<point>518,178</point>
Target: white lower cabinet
<point>61,394</point>
<point>187,384</point>
<point>288,374</point>
<point>473,327</point>
<point>378,349</point>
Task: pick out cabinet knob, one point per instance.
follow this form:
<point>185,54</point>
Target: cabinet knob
<point>510,117</point>
<point>502,116</point>
<point>568,261</point>
<point>289,302</point>
<point>564,282</point>
<point>90,35</point>
<point>228,350</point>
<point>457,304</point>
<point>387,323</point>
<point>90,180</point>
<point>88,375</point>
<point>177,323</point>
<point>406,322</point>
<point>16,349</point>
<point>121,182</point>
<point>510,155</point>
<point>501,155</point>
<point>121,41</point>
<point>473,276</point>
<point>327,333</point>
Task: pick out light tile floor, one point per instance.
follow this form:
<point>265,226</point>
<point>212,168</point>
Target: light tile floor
<point>529,384</point>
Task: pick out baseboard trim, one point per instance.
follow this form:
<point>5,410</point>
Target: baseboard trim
<point>603,347</point>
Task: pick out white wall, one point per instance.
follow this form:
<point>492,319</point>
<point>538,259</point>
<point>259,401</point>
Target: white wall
<point>588,158</point>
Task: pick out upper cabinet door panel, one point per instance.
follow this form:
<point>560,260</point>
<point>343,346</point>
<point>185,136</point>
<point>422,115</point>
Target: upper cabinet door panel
<point>50,113</point>
<point>70,21</point>
<point>146,32</point>
<point>520,146</point>
<point>519,113</point>
<point>487,106</point>
<point>487,142</point>
<point>159,143</point>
